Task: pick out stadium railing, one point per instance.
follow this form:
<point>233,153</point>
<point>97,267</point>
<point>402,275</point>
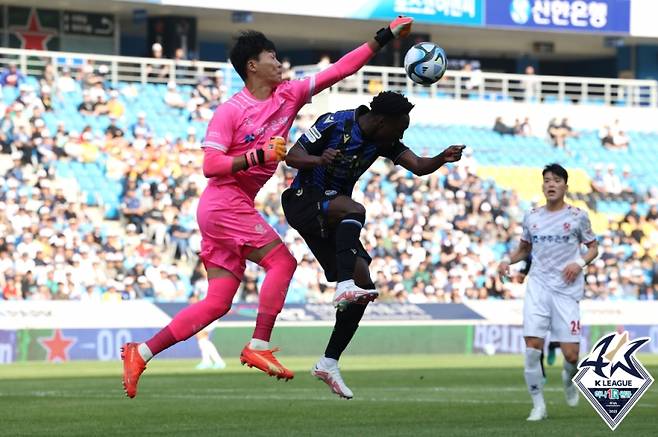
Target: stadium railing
<point>502,87</point>
<point>370,79</point>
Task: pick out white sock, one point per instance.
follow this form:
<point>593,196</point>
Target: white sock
<point>205,355</point>
<point>213,353</point>
<point>533,376</point>
<point>328,362</point>
<point>145,352</point>
<point>569,372</point>
<point>259,345</point>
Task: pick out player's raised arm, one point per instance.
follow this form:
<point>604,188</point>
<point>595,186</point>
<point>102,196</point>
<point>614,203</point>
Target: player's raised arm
<point>357,58</point>
<point>421,166</point>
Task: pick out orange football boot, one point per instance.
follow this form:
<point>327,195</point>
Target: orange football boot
<point>264,360</point>
<point>133,366</point>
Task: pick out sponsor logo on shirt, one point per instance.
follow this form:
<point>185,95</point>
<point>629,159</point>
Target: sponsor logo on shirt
<point>550,239</point>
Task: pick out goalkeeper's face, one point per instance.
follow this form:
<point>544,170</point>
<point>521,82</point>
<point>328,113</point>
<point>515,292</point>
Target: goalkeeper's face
<point>267,67</point>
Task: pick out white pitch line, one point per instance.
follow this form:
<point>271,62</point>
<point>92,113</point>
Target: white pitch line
<point>242,396</point>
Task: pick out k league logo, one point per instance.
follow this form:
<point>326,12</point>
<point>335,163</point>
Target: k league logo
<point>611,377</point>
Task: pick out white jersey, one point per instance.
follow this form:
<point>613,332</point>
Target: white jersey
<point>556,238</point>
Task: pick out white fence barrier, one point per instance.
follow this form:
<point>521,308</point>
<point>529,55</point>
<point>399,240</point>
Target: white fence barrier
<point>369,80</point>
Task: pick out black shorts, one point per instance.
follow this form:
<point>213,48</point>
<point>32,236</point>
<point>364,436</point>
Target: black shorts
<point>306,211</point>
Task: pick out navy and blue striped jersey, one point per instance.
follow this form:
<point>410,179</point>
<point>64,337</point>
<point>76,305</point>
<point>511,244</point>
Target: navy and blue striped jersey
<point>340,130</point>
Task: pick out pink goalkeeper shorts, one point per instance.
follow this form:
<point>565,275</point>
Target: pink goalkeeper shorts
<point>230,228</point>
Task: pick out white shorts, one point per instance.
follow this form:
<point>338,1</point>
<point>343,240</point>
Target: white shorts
<point>546,311</point>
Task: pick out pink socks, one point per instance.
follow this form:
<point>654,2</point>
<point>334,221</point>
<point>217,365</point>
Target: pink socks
<point>279,266</point>
<point>195,317</point>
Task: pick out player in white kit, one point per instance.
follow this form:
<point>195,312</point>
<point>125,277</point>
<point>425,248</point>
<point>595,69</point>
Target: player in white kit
<point>554,235</point>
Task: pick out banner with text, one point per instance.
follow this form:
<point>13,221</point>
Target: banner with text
<point>455,12</point>
<point>601,16</point>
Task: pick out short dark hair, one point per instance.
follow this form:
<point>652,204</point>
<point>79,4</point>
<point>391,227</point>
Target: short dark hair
<point>390,103</point>
<point>248,45</point>
<point>556,169</point>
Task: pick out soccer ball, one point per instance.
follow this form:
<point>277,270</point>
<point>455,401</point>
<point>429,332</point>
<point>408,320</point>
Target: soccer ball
<point>425,63</point>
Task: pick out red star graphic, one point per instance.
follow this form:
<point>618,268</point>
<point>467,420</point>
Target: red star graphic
<point>33,37</point>
<point>57,346</point>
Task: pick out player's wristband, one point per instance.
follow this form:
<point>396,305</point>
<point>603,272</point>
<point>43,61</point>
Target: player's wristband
<point>255,157</point>
<point>506,259</point>
<point>581,262</point>
<point>384,36</point>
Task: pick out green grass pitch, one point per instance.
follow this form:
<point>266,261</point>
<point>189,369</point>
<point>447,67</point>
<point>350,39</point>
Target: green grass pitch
<point>420,395</point>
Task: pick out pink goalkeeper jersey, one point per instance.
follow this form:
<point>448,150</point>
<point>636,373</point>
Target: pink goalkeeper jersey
<point>243,123</point>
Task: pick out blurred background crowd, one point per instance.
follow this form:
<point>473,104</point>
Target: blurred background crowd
<point>433,239</point>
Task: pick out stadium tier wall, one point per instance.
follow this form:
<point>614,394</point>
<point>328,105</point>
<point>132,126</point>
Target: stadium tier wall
<point>48,331</point>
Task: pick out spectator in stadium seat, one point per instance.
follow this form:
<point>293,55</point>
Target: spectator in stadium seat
<point>621,141</point>
<point>179,237</point>
<point>25,96</point>
<point>218,85</point>
<point>472,80</point>
<point>569,131</point>
<point>652,214</point>
<point>630,187</point>
<point>556,134</point>
<point>173,97</point>
<point>49,77</point>
<point>530,85</point>
<point>87,77</point>
<point>183,73</point>
<point>131,208</point>
<point>112,130</point>
<point>598,183</point>
<point>65,82</point>
<point>607,141</point>
<point>632,216</point>
<point>502,128</point>
<point>88,106</point>
<point>157,71</point>
<point>611,182</point>
<point>525,128</point>
<point>98,93</point>
<point>11,76</point>
<point>46,98</point>
<point>559,132</point>
<point>141,127</point>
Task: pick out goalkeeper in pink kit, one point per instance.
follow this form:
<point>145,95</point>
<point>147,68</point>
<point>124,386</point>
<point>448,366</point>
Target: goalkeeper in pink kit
<point>242,148</point>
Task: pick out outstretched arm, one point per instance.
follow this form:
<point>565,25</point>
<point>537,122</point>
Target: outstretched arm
<point>357,58</point>
<point>421,166</point>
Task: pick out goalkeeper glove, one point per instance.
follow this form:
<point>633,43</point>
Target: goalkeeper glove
<point>274,151</point>
<point>400,27</point>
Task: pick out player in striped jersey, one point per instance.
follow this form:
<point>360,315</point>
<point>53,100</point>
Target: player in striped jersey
<point>554,235</point>
<point>331,157</point>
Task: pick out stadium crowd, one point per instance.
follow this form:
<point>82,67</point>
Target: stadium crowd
<point>433,239</point>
